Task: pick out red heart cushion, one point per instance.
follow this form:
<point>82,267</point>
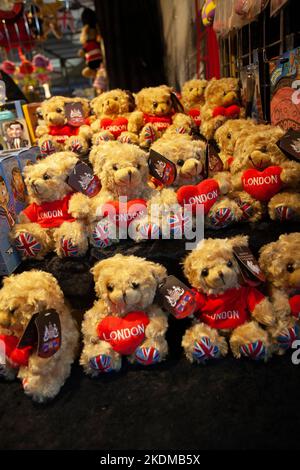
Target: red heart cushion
<point>115,126</point>
<point>295,305</point>
<point>219,111</point>
<point>124,212</point>
<point>262,185</point>
<point>206,193</point>
<point>124,334</point>
<point>232,111</point>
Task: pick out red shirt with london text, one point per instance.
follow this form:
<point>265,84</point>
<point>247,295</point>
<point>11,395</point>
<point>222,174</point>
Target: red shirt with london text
<point>50,214</point>
<point>161,122</point>
<point>228,310</point>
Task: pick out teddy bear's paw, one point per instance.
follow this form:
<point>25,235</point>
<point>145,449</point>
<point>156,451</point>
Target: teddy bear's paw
<point>221,218</point>
<point>246,208</point>
<point>68,248</point>
<point>102,363</point>
<point>256,350</point>
<point>76,145</point>
<point>47,147</point>
<point>27,245</point>
<point>128,138</point>
<point>204,349</point>
<point>148,135</point>
<point>175,225</point>
<point>283,213</point>
<point>147,356</point>
<point>287,336</point>
<point>38,388</point>
<point>146,231</point>
<point>101,137</point>
<point>102,234</point>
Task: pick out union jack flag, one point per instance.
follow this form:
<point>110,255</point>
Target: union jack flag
<point>221,218</point>
<point>247,209</point>
<point>69,248</point>
<point>284,213</point>
<point>177,222</point>
<point>27,245</point>
<point>204,349</point>
<point>286,337</point>
<point>47,147</point>
<point>181,130</point>
<point>147,356</point>
<point>149,134</point>
<point>105,137</point>
<point>102,363</point>
<point>125,139</point>
<point>255,350</point>
<point>76,146</point>
<point>149,231</point>
<point>101,235</point>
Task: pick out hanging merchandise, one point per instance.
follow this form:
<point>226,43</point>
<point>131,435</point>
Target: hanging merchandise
<point>42,68</point>
<point>249,9</point>
<point>100,83</point>
<point>49,18</point>
<point>15,29</point>
<point>66,20</point>
<point>250,90</point>
<point>285,93</point>
<point>208,12</point>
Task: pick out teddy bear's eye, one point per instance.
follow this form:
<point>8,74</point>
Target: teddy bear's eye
<point>191,89</point>
<point>180,162</point>
<point>110,287</point>
<point>290,268</point>
<point>229,264</point>
<point>12,311</point>
<point>155,104</point>
<point>138,166</point>
<point>204,272</point>
<point>263,149</point>
<point>224,93</point>
<point>46,176</point>
<point>58,110</point>
<point>115,167</point>
<point>228,135</point>
<point>135,285</point>
<point>116,99</point>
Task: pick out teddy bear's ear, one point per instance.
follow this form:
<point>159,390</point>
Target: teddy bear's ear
<point>188,263</point>
<point>178,107</point>
<point>131,100</point>
<point>266,256</point>
<point>159,272</point>
<point>239,240</point>
<point>67,161</point>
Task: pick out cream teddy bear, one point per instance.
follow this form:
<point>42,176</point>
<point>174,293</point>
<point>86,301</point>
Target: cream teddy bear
<point>227,310</point>
<point>50,221</point>
<point>43,367</point>
<point>280,261</point>
<point>263,177</point>
<point>124,321</point>
<point>221,103</point>
<point>192,97</point>
<point>56,133</point>
<point>115,117</point>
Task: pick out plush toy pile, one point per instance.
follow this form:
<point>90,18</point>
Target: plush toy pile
<point>146,166</point>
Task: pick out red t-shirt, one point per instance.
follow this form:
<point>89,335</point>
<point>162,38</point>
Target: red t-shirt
<point>115,126</point>
<point>196,115</point>
<point>50,214</point>
<point>161,122</point>
<point>228,310</point>
<point>295,305</point>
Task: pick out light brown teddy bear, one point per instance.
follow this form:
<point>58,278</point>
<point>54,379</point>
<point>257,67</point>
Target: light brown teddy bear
<point>50,221</point>
<point>280,262</point>
<point>115,117</point>
<point>43,365</point>
<point>192,97</point>
<point>221,103</point>
<point>262,176</point>
<point>227,310</point>
<point>60,132</point>
<point>158,108</point>
<point>188,155</point>
<point>124,321</point>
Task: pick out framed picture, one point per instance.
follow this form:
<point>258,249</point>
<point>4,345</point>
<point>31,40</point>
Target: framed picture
<point>15,134</point>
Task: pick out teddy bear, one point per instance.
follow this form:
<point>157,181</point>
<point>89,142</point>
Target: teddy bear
<point>115,117</point>
<point>263,178</point>
<point>221,103</point>
<point>192,98</point>
<point>227,311</point>
<point>280,262</point>
<point>58,131</point>
<point>28,299</point>
<point>158,108</point>
<point>50,221</point>
<point>91,50</point>
<point>124,320</point>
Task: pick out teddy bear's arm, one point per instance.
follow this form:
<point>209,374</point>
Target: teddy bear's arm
<point>158,322</point>
<point>91,320</point>
<point>260,307</point>
<point>79,206</point>
<point>23,219</point>
<point>224,181</point>
<point>95,126</point>
<point>290,174</point>
<point>85,131</point>
<point>41,130</point>
<point>135,122</point>
<point>280,303</point>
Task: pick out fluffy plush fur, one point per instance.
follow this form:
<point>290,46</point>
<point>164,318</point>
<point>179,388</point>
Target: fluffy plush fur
<point>55,135</point>
<point>46,183</point>
<point>221,103</point>
<point>124,284</point>
<point>213,271</point>
<point>192,97</point>
<point>22,296</point>
<point>115,117</point>
<point>280,262</point>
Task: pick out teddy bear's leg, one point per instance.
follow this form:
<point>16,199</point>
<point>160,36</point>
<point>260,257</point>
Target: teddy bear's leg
<point>103,136</point>
<point>77,144</point>
<point>49,145</point>
<point>100,358</point>
<point>148,135</point>
<point>70,240</point>
<point>102,233</point>
<point>128,138</point>
<point>31,240</point>
<point>150,352</point>
<point>285,206</point>
<point>223,213</point>
<point>201,343</point>
<point>285,331</point>
<point>252,210</point>
<point>250,340</point>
